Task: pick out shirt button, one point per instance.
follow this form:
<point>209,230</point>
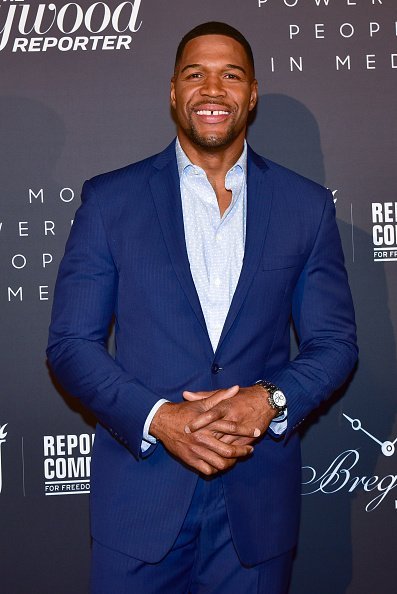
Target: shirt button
<point>215,368</point>
<point>217,282</point>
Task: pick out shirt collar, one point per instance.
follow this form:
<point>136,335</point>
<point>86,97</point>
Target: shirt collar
<point>184,163</point>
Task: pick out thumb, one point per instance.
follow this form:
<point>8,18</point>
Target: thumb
<point>192,396</point>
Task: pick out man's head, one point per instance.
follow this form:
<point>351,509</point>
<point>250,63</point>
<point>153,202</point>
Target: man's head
<point>215,28</point>
<point>213,88</point>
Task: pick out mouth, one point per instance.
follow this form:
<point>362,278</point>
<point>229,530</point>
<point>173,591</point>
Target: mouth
<point>212,114</point>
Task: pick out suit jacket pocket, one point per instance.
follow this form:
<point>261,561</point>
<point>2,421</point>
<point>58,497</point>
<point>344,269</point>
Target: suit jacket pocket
<point>278,261</point>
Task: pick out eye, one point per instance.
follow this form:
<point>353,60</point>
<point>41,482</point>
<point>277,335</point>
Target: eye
<point>195,75</point>
<point>231,76</point>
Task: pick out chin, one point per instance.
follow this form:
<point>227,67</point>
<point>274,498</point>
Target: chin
<point>211,140</point>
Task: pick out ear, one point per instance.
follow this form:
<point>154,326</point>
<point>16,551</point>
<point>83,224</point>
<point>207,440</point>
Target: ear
<point>172,93</point>
<point>254,94</point>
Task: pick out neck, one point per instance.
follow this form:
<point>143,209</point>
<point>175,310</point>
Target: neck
<point>216,162</point>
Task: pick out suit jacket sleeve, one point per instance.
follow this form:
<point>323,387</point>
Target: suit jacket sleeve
<point>84,304</point>
<point>323,316</point>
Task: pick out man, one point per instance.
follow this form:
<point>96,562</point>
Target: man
<point>201,253</point>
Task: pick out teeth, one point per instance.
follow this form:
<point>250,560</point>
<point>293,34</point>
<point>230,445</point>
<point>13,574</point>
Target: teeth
<point>214,112</point>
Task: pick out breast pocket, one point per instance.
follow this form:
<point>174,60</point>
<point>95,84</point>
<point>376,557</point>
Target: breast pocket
<point>280,261</point>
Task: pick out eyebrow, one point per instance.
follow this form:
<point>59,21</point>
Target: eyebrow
<point>228,66</point>
<point>235,67</point>
<point>190,66</point>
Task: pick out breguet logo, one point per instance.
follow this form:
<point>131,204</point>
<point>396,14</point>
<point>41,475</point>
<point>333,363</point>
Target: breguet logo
<point>3,436</point>
<point>342,474</point>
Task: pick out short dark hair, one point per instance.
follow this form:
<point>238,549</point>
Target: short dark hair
<point>215,28</point>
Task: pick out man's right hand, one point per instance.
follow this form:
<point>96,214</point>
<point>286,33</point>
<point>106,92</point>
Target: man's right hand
<point>202,450</point>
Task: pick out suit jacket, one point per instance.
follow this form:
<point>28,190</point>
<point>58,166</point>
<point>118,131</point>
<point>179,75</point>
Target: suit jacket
<point>126,259</point>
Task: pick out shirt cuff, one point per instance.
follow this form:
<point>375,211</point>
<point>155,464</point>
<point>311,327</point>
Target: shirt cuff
<point>147,439</point>
<point>279,424</point>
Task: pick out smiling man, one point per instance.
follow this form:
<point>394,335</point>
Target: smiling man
<point>202,253</point>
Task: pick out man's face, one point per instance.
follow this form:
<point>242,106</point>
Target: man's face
<point>213,91</point>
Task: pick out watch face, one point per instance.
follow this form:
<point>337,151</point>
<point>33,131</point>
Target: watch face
<point>279,398</point>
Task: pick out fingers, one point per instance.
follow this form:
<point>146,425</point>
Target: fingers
<point>192,396</point>
<point>237,440</point>
<point>206,451</point>
<point>214,408</point>
<point>208,455</point>
<point>206,418</point>
<point>221,448</point>
<point>214,460</point>
<point>234,428</point>
<point>209,470</point>
<point>203,467</point>
<point>212,397</point>
<point>220,395</point>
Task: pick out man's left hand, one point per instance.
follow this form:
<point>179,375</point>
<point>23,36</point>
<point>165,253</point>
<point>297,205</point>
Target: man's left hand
<point>249,408</point>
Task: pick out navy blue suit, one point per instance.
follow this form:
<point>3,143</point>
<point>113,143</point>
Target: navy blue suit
<point>126,257</point>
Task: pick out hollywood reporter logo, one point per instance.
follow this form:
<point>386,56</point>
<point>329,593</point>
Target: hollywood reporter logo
<point>74,26</point>
<point>67,463</point>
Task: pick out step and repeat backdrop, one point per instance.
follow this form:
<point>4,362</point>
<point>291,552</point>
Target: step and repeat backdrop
<point>84,88</point>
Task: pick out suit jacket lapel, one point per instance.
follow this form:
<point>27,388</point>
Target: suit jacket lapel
<point>165,189</point>
<point>259,201</point>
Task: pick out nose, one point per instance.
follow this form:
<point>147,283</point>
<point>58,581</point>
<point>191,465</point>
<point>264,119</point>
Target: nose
<point>213,87</point>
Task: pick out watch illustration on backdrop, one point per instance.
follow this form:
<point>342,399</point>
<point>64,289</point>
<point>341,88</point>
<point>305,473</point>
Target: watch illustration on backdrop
<point>388,447</point>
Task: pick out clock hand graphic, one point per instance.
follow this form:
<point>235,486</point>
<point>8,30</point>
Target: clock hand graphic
<point>388,447</point>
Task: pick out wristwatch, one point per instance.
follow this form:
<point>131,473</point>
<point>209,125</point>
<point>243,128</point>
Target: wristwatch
<point>276,397</point>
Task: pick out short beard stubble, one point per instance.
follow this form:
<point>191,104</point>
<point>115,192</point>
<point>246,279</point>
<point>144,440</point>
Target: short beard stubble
<point>210,141</point>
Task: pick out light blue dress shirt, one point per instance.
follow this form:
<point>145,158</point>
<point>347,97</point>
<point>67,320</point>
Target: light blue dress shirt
<point>215,248</point>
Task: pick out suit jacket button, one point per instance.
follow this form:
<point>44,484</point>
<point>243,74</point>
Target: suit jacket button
<point>215,368</point>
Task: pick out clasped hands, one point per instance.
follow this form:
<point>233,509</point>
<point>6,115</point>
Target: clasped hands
<point>210,431</point>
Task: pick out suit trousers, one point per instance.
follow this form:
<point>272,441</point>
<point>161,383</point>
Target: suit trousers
<point>202,560</point>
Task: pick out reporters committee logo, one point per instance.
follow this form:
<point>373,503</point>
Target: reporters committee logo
<point>3,437</point>
<point>67,463</point>
<point>384,231</point>
<point>43,27</point>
